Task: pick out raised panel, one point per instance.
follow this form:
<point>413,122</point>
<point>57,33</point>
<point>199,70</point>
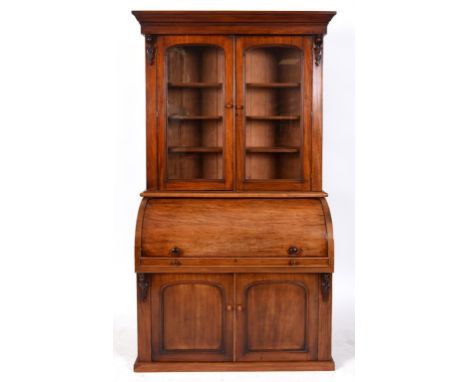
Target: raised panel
<point>190,317</point>
<point>279,324</point>
<point>277,317</point>
<point>187,308</point>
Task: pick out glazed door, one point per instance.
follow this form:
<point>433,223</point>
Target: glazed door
<point>192,317</point>
<point>195,122</point>
<point>273,112</point>
<point>277,317</point>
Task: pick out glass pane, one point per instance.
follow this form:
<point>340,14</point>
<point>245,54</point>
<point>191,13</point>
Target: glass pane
<point>195,106</point>
<point>273,118</point>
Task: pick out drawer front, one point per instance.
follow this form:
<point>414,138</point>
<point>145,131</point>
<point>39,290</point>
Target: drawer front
<point>185,228</point>
<point>319,262</point>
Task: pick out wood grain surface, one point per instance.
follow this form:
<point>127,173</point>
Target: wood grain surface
<point>234,227</point>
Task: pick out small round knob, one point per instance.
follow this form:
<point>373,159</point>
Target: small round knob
<point>239,308</point>
<point>229,308</point>
<point>174,251</point>
<point>293,251</point>
<point>228,105</point>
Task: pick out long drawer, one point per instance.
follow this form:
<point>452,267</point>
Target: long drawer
<point>193,228</point>
<point>234,265</point>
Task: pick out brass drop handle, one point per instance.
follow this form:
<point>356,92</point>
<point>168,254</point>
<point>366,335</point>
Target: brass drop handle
<point>292,262</point>
<point>175,262</point>
<point>294,251</point>
<point>174,251</point>
<point>239,308</point>
<point>229,307</point>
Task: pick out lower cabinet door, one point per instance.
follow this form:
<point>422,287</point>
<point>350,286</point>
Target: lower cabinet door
<point>276,317</point>
<point>192,317</point>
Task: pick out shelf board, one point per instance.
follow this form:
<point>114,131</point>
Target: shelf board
<point>273,117</point>
<point>273,84</point>
<point>273,150</point>
<point>187,149</point>
<point>231,194</point>
<point>194,117</point>
<point>195,84</point>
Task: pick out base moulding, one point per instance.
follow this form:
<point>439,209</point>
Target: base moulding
<point>234,366</point>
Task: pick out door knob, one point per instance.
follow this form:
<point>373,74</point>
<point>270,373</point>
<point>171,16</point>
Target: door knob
<point>174,251</point>
<point>294,251</point>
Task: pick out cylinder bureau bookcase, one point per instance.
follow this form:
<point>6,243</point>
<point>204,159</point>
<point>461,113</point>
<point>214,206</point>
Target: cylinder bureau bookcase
<point>234,241</point>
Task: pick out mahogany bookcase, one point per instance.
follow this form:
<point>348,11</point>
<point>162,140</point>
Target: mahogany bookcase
<point>234,241</point>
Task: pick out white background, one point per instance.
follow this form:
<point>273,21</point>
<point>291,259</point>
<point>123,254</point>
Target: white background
<point>72,165</point>
<point>338,182</point>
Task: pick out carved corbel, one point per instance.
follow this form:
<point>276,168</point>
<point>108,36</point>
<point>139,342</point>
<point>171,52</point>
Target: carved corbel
<point>149,40</point>
<point>325,283</point>
<point>318,49</point>
<point>143,285</point>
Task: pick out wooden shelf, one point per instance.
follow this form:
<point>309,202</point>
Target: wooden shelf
<point>273,150</point>
<point>194,117</point>
<point>273,117</point>
<point>273,84</point>
<point>194,84</point>
<point>233,195</point>
<point>187,149</point>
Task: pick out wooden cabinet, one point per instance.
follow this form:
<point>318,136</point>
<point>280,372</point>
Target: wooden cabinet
<point>234,239</point>
<point>275,315</point>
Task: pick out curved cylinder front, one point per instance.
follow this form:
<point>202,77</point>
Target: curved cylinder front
<point>240,228</point>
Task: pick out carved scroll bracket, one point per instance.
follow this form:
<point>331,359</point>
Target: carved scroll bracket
<point>150,50</point>
<point>143,285</point>
<point>318,49</point>
<point>325,283</point>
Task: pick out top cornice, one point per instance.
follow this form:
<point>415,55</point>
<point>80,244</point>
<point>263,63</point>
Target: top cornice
<point>233,22</point>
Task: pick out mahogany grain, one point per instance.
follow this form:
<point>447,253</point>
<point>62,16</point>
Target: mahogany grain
<point>278,319</point>
<point>190,319</point>
<point>233,227</point>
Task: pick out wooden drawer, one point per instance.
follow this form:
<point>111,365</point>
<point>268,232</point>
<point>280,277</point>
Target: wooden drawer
<point>208,228</point>
<point>229,265</point>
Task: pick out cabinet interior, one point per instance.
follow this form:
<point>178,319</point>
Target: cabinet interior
<point>273,118</point>
<point>195,125</point>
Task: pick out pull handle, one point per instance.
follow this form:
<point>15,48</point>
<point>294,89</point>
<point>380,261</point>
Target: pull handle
<point>174,251</point>
<point>175,262</point>
<point>239,107</point>
<point>294,251</point>
<point>293,262</point>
